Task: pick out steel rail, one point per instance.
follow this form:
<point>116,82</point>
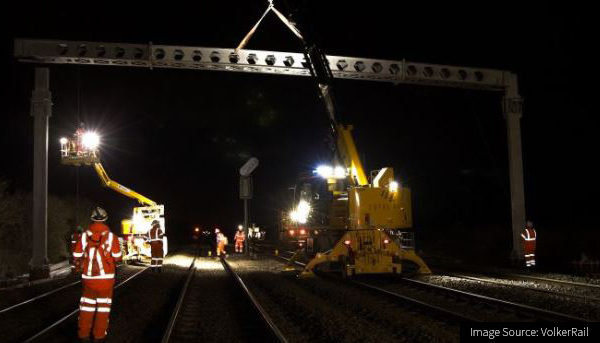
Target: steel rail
<point>32,338</point>
<point>536,311</point>
<point>12,307</point>
<point>558,281</point>
<point>509,275</point>
<point>499,282</point>
<point>4,310</point>
<point>265,316</point>
<point>173,319</point>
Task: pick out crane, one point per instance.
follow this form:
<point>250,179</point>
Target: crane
<point>83,149</point>
<point>371,209</point>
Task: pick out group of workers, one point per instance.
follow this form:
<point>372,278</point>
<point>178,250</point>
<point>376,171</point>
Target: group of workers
<point>222,241</point>
<point>96,252</point>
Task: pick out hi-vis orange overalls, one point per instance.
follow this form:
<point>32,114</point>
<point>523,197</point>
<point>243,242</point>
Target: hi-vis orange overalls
<point>529,236</point>
<point>99,249</point>
<point>221,243</point>
<point>239,239</point>
<point>155,237</point>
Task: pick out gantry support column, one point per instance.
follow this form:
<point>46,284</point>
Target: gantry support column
<point>513,110</point>
<point>41,110</point>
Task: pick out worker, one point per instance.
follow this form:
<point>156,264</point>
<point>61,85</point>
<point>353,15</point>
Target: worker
<point>221,243</point>
<point>155,237</point>
<point>528,243</point>
<point>79,139</point>
<point>98,250</point>
<point>75,236</point>
<point>239,239</point>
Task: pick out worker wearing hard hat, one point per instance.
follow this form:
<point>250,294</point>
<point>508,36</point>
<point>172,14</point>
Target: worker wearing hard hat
<point>239,239</point>
<point>221,243</point>
<point>529,236</point>
<point>155,237</point>
<point>97,250</point>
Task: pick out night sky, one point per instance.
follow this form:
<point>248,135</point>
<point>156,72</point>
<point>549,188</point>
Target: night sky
<point>179,137</point>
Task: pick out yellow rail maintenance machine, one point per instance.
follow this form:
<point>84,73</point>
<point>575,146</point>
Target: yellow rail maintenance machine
<point>83,149</point>
<point>362,213</point>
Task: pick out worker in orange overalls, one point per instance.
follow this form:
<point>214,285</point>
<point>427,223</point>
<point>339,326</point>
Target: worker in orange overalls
<point>221,243</point>
<point>75,236</point>
<point>528,243</point>
<point>97,250</point>
<point>155,237</point>
<point>239,239</point>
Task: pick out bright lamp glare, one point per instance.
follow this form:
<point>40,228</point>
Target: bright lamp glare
<point>294,216</point>
<point>300,214</point>
<point>325,171</point>
<point>91,140</point>
<point>329,172</point>
<point>393,186</point>
<point>63,140</point>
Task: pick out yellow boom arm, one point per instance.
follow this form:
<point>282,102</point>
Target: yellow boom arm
<point>120,188</point>
<point>349,155</point>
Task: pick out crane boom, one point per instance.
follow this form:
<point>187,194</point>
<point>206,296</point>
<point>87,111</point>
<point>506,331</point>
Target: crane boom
<point>107,182</point>
<point>349,155</point>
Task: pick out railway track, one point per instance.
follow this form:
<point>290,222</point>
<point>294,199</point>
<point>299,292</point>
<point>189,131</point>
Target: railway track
<point>526,312</point>
<point>517,276</point>
<point>192,316</point>
<point>450,315</point>
<point>523,311</point>
<point>551,280</point>
<point>34,299</point>
<point>38,297</point>
<point>502,282</point>
<point>74,312</point>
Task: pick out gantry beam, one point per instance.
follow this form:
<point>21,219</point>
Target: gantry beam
<point>253,61</point>
<point>290,63</point>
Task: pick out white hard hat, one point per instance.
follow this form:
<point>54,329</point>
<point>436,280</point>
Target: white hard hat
<point>99,214</point>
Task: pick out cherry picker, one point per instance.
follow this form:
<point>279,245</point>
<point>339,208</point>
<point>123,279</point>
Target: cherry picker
<point>83,149</point>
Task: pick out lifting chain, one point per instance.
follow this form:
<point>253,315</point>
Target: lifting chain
<point>285,20</point>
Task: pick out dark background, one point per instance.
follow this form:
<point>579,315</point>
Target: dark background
<point>179,137</point>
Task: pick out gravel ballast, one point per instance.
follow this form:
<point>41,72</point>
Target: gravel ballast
<point>516,291</point>
<point>319,310</point>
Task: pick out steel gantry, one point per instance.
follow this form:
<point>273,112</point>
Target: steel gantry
<point>292,64</point>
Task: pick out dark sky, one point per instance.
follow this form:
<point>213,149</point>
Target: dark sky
<point>179,136</point>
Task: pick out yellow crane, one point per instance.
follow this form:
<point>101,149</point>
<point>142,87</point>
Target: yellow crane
<point>362,211</point>
<point>372,209</point>
<point>83,149</point>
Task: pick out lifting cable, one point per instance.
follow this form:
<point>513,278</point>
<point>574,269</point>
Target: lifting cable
<point>77,223</point>
<point>285,20</point>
